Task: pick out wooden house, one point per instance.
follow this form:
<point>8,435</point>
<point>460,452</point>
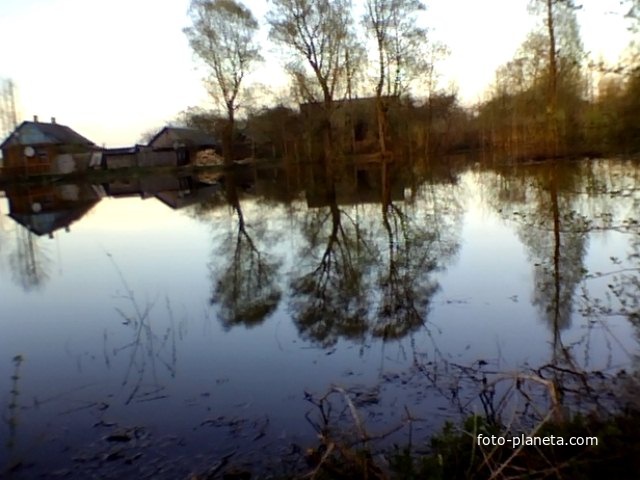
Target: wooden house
<point>46,148</point>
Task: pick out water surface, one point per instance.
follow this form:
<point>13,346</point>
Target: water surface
<point>195,318</point>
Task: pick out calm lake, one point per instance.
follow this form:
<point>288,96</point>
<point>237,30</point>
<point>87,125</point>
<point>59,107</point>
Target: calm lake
<point>155,325</point>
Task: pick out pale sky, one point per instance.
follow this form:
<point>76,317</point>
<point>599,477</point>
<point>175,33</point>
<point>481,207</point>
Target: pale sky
<point>112,69</point>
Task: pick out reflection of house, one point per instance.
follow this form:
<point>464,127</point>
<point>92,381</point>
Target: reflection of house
<point>174,191</point>
<point>40,148</point>
<point>189,193</point>
<point>47,208</point>
<point>123,187</point>
<point>366,186</point>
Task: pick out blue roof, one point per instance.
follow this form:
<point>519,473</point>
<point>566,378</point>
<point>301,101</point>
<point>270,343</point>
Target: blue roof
<point>37,133</point>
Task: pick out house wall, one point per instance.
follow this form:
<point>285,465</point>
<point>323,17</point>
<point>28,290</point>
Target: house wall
<point>114,161</point>
<point>165,140</point>
<point>144,158</point>
<point>354,123</point>
<point>157,159</point>
<point>47,159</point>
<point>70,162</point>
<point>17,163</point>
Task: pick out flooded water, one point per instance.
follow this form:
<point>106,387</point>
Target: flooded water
<point>190,319</point>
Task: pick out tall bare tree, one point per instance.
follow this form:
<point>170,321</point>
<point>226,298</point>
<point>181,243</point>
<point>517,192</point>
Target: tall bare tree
<point>319,34</point>
<point>400,50</point>
<point>564,50</point>
<point>223,36</point>
<point>378,21</point>
<point>407,46</point>
<point>317,31</point>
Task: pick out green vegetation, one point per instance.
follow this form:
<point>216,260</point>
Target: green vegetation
<point>456,455</point>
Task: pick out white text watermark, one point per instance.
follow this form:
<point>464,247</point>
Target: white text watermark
<point>534,441</point>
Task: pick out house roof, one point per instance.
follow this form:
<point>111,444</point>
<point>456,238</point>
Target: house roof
<point>123,150</point>
<point>190,137</point>
<point>38,133</point>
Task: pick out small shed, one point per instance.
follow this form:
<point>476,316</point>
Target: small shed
<point>36,147</point>
<point>191,146</point>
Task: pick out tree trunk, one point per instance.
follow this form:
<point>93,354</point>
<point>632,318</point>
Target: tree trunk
<point>227,140</point>
<point>380,111</point>
<point>552,103</point>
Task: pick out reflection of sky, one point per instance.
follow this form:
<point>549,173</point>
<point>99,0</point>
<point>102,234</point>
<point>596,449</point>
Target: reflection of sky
<point>487,293</point>
<point>72,337</point>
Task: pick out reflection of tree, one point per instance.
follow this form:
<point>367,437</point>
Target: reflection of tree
<point>565,203</point>
<point>331,299</point>
<point>560,250</point>
<point>622,297</point>
<point>28,261</point>
<point>415,250</point>
<point>246,289</point>
<point>554,233</point>
<point>376,280</point>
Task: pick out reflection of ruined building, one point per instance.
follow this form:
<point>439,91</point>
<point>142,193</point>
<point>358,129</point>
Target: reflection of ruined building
<point>44,148</point>
<point>44,209</point>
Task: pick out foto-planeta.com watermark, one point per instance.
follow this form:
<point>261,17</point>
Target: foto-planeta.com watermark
<point>534,441</point>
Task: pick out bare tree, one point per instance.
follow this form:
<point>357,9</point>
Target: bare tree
<point>564,46</point>
<point>407,42</point>
<point>400,50</point>
<point>319,33</point>
<point>222,35</point>
<point>378,21</point>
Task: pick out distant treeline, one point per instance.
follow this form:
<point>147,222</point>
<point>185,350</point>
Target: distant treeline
<point>514,123</point>
<point>370,86</point>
